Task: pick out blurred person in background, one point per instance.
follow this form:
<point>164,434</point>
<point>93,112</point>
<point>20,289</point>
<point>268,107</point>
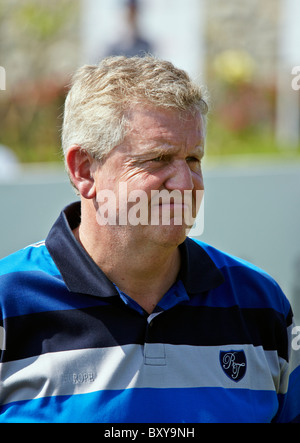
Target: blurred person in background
<point>131,42</point>
<point>123,322</point>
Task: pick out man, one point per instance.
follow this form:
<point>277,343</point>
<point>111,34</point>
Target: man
<point>118,316</point>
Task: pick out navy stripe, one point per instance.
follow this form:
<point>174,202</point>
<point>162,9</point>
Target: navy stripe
<point>117,325</point>
<point>205,326</point>
<point>296,419</point>
<point>93,327</point>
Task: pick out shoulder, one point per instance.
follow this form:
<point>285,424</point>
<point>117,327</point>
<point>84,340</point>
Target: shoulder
<point>245,283</point>
<point>32,258</point>
<point>224,259</point>
<point>28,280</point>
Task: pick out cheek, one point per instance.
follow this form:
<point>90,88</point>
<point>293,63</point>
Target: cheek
<point>105,181</point>
<point>141,179</point>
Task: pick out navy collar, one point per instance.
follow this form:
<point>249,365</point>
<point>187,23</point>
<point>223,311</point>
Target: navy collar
<point>82,275</point>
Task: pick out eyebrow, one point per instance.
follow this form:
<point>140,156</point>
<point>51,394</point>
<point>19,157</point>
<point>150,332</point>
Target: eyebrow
<point>165,148</point>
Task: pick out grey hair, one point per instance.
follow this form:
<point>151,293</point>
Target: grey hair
<point>95,107</point>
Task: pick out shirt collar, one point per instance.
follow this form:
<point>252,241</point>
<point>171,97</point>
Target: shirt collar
<point>198,271</point>
<point>82,275</point>
<point>79,271</point>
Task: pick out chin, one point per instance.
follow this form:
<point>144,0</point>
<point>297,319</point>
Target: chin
<point>169,236</point>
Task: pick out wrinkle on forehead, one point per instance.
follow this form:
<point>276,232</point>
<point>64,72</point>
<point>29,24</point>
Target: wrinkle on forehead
<point>157,123</point>
<point>151,112</point>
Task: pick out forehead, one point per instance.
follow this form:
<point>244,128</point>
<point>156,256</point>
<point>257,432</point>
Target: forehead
<point>148,123</point>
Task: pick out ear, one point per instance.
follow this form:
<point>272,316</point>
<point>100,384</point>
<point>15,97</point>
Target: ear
<point>80,165</point>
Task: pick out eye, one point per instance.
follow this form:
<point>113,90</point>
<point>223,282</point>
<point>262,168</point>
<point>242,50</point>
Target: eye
<point>193,160</point>
<point>194,163</point>
<point>161,158</point>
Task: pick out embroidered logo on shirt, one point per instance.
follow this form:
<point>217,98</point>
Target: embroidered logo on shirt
<point>234,364</point>
<point>78,378</point>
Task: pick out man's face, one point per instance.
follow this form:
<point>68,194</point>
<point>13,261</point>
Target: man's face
<point>161,152</point>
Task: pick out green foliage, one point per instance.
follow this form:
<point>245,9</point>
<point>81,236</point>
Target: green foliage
<point>30,123</point>
<point>222,141</point>
<point>31,37</point>
<point>241,121</point>
<point>41,20</point>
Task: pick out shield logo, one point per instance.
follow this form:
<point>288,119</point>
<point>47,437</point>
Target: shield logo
<point>234,364</point>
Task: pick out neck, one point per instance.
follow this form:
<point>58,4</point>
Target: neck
<point>145,276</point>
<point>144,271</point>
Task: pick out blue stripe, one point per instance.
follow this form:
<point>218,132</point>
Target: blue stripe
<point>221,258</point>
<point>245,284</point>
<point>46,292</point>
<point>147,405</point>
<point>291,401</point>
<point>242,286</point>
<point>43,293</point>
<point>30,258</point>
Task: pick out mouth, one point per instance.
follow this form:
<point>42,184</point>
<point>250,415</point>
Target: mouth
<point>172,205</point>
<point>172,213</point>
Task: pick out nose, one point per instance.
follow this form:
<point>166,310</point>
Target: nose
<point>180,177</point>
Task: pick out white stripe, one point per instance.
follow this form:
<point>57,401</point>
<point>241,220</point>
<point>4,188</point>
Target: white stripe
<point>119,368</point>
<point>36,245</point>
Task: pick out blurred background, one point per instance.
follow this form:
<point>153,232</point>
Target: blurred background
<point>247,54</point>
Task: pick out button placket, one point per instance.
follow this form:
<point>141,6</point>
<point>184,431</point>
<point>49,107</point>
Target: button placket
<point>154,353</point>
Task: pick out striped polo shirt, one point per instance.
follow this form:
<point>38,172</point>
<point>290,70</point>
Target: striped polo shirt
<point>217,347</point>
